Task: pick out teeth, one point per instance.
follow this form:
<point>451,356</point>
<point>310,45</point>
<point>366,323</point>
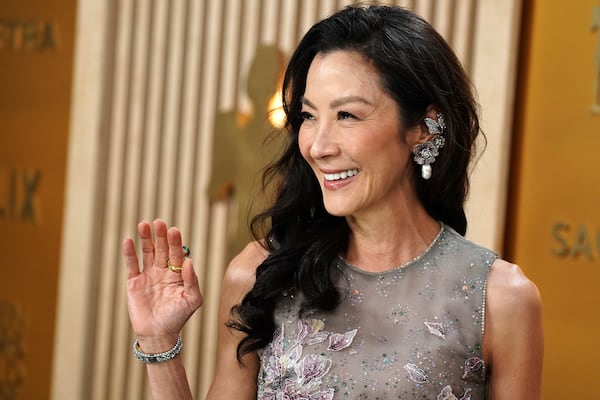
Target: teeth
<point>341,175</point>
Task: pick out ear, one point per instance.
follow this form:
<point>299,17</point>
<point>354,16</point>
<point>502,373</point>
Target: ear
<point>420,133</point>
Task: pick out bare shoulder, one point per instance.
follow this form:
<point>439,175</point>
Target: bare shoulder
<point>508,286</point>
<point>513,300</point>
<point>241,272</point>
<point>240,275</point>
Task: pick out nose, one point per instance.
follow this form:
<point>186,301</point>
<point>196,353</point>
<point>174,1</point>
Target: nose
<point>325,142</point>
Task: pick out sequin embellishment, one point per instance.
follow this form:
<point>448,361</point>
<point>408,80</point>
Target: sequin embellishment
<point>473,366</point>
<point>446,394</point>
<point>415,373</point>
<point>339,341</point>
<point>436,329</point>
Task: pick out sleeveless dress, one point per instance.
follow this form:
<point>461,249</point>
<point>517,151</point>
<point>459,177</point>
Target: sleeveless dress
<point>412,332</point>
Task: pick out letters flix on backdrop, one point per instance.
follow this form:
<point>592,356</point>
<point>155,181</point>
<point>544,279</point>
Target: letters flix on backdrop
<point>18,194</point>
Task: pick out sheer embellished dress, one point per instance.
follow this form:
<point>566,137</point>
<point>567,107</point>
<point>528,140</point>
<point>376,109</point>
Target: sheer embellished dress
<point>412,332</point>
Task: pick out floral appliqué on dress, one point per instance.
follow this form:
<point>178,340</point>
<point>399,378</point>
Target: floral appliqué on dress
<point>288,374</point>
<point>446,394</point>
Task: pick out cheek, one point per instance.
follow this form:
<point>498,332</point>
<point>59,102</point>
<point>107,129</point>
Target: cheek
<point>304,144</point>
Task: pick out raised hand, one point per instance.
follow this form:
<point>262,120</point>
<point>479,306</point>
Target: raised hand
<point>160,299</point>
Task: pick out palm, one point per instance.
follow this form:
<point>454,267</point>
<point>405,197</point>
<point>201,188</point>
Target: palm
<point>160,300</point>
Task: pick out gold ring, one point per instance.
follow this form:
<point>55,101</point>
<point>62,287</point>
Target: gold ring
<point>173,267</point>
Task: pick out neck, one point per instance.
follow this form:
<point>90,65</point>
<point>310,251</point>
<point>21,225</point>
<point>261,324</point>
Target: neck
<point>391,239</point>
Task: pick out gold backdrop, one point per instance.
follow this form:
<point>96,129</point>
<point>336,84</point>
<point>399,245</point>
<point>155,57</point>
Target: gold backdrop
<point>157,86</point>
<point>153,81</point>
<point>554,224</point>
<point>36,56</point>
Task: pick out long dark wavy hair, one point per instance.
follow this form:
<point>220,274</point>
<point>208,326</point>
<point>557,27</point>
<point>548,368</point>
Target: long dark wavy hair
<point>417,69</point>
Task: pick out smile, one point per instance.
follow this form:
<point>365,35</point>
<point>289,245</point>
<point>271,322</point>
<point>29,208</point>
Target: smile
<point>341,175</point>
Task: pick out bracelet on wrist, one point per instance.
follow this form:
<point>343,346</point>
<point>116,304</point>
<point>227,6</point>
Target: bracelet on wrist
<point>157,357</point>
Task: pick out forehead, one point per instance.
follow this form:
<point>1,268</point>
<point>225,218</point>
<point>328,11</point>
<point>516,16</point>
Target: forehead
<point>342,69</point>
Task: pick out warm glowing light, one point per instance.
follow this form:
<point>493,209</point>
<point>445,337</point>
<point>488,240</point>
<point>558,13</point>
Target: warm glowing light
<point>275,111</point>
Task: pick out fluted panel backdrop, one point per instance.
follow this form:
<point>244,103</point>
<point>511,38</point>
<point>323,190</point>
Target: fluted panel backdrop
<point>167,69</point>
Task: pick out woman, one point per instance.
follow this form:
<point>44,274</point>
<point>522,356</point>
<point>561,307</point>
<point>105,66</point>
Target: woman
<point>365,287</point>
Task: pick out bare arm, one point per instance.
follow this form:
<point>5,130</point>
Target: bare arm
<point>233,380</point>
<point>513,342</point>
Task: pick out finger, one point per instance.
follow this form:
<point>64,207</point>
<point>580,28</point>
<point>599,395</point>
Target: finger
<point>176,255</point>
<point>145,233</point>
<point>161,246</point>
<point>190,283</point>
<point>131,259</point>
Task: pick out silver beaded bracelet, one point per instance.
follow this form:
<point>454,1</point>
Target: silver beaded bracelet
<point>157,357</point>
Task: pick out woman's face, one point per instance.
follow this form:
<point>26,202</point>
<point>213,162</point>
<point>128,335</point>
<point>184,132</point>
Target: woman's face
<point>352,137</point>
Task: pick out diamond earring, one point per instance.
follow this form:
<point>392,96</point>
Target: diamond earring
<point>425,153</point>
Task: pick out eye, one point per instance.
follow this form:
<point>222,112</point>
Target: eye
<point>305,115</point>
<point>345,115</point>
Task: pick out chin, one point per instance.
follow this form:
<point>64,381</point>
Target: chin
<point>337,210</point>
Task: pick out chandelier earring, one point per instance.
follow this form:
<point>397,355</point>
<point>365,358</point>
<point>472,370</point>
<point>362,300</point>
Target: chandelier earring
<point>425,153</point>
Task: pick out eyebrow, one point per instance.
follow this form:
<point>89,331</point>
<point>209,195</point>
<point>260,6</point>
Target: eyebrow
<point>339,102</point>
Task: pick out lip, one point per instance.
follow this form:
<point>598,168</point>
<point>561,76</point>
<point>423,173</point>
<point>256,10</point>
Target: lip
<point>340,183</point>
